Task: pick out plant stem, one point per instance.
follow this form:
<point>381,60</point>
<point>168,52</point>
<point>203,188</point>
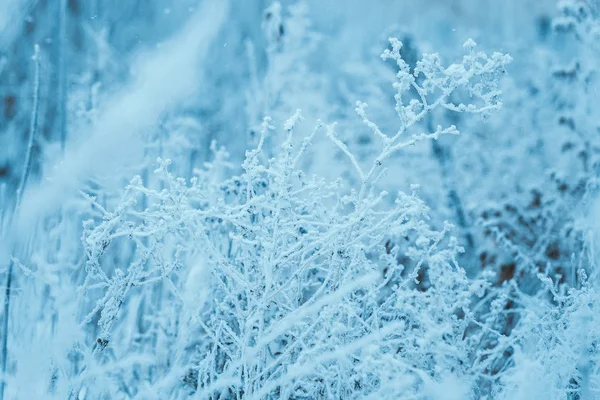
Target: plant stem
<point>62,73</point>
<point>24,177</point>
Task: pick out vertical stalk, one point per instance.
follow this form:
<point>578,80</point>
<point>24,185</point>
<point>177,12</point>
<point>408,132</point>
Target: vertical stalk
<point>62,73</point>
<point>33,127</point>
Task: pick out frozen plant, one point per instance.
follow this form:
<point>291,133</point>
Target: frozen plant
<point>428,87</point>
<point>280,285</point>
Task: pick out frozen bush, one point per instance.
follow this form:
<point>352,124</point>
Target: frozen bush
<point>288,286</point>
